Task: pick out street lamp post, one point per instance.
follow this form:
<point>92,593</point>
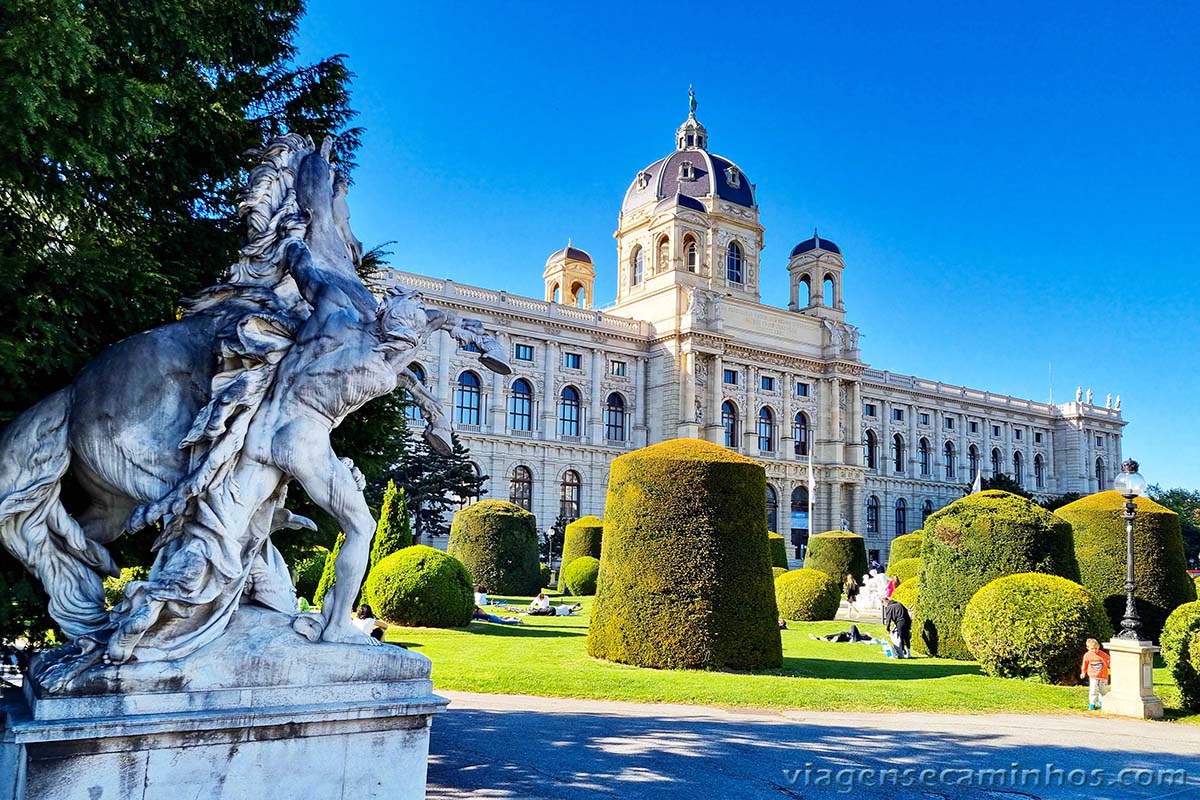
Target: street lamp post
<point>1130,485</point>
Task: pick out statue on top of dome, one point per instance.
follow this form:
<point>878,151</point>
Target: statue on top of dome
<point>691,101</point>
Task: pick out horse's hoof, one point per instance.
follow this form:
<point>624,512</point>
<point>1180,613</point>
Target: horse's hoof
<point>309,626</point>
<point>495,364</point>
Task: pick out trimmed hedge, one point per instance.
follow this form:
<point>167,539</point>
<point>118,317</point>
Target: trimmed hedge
<point>778,549</point>
<point>421,586</point>
<point>906,593</point>
<point>583,537</point>
<point>580,576</point>
<point>1180,635</point>
<point>777,571</point>
<point>807,595</point>
<point>907,545</point>
<point>905,569</point>
<point>394,529</point>
<point>1160,566</point>
<point>497,542</point>
<point>308,573</point>
<point>685,578</point>
<point>328,573</point>
<point>836,553</point>
<point>973,541</point>
<point>1033,625</point>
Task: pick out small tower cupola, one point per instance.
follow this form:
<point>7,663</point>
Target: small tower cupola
<point>570,277</point>
<point>691,135</point>
<point>815,273</point>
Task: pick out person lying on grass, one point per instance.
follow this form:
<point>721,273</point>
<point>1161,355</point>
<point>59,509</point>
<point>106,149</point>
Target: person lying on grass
<point>483,616</point>
<point>853,635</point>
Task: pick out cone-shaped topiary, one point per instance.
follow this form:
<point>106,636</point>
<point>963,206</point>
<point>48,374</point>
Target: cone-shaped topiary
<point>1033,625</point>
<point>579,577</point>
<point>1159,564</point>
<point>1183,659</point>
<point>807,595</point>
<point>394,531</point>
<point>906,593</point>
<point>778,549</point>
<point>836,553</point>
<point>970,543</point>
<point>328,574</point>
<point>497,542</point>
<point>685,575</point>
<point>423,587</point>
<point>905,546</point>
<point>905,569</point>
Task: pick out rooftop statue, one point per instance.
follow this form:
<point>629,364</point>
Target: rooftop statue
<point>195,429</point>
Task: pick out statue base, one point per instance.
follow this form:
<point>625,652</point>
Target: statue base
<point>1131,680</point>
<point>259,713</point>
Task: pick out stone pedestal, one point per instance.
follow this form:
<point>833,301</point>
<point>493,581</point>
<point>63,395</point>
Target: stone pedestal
<point>1131,680</point>
<point>260,713</point>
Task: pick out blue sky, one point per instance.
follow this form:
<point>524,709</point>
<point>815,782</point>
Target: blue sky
<point>1012,185</point>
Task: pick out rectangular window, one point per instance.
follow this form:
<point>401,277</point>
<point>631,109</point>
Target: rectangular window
<point>972,427</point>
<point>1037,437</point>
<point>948,422</point>
<point>768,383</point>
<point>730,377</point>
<point>572,361</point>
<point>617,368</point>
<point>995,430</point>
<point>1017,434</point>
<point>898,415</point>
<point>869,409</point>
<point>802,391</point>
<point>523,352</point>
<point>1099,441</point>
<point>923,419</point>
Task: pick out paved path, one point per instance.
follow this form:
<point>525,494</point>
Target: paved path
<point>506,746</point>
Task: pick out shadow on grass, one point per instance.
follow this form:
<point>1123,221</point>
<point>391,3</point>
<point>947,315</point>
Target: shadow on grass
<point>525,631</point>
<point>890,670</point>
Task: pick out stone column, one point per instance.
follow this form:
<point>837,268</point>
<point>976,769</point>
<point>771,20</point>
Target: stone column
<point>716,381</point>
<point>787,442</point>
<point>549,399</point>
<point>857,509</point>
<point>912,469</point>
<point>445,351</point>
<point>885,438</point>
<point>640,412</point>
<point>833,509</point>
<point>687,380</point>
<point>496,405</point>
<point>596,423</point>
<point>1132,680</point>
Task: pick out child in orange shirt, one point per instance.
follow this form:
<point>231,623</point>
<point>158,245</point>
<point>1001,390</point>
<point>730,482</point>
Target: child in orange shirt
<point>1095,669</point>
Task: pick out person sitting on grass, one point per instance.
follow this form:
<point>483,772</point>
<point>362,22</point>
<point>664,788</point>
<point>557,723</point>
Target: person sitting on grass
<point>481,598</point>
<point>898,622</point>
<point>365,621</point>
<point>483,616</point>
<point>540,606</point>
<point>853,635</point>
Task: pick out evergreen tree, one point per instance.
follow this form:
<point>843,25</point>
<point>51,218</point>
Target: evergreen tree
<point>434,483</point>
<point>329,575</point>
<point>394,531</point>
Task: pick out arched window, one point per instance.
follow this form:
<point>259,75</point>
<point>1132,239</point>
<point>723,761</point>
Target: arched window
<point>1018,469</point>
<point>520,406</point>
<point>997,462</point>
<point>467,399</point>
<point>554,294</point>
<point>729,420</point>
<point>568,495</point>
<point>664,255</point>
<point>520,487</point>
<point>1039,472</point>
<point>800,521</point>
<point>923,456</point>
<point>692,254</point>
<point>973,459</point>
<point>766,430</point>
<point>412,411</point>
<point>614,418</point>
<point>733,263</point>
<point>948,460</point>
<point>772,508</point>
<point>579,295</point>
<point>637,266</point>
<point>901,516</point>
<point>898,453</point>
<point>804,293</point>
<point>827,294</point>
<point>871,450</point>
<point>926,510</point>
<point>568,412</point>
<point>1100,476</point>
<point>872,514</point>
<point>800,433</point>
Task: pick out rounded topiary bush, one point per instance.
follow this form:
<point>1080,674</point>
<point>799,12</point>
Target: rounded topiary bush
<point>807,595</point>
<point>1160,566</point>
<point>580,576</point>
<point>498,544</point>
<point>1033,625</point>
<point>970,543</point>
<point>583,537</point>
<point>905,569</point>
<point>907,545</point>
<point>778,549</point>
<point>1179,650</point>
<point>777,571</point>
<point>685,577</point>
<point>906,593</point>
<point>422,587</point>
<point>836,553</point>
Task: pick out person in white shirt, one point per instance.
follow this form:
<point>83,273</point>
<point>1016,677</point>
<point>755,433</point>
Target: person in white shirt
<point>540,606</point>
<point>365,621</point>
<point>481,598</point>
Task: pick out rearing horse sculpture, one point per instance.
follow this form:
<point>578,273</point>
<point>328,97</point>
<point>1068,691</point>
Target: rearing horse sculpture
<point>202,423</point>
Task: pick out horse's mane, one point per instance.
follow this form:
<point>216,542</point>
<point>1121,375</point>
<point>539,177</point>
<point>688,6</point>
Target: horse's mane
<point>269,210</point>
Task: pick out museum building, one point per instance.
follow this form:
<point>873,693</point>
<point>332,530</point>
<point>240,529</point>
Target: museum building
<point>689,349</point>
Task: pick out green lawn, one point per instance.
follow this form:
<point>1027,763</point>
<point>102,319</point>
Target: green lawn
<point>548,656</point>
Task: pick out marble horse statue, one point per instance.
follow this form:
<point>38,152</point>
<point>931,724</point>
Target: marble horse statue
<point>193,430</point>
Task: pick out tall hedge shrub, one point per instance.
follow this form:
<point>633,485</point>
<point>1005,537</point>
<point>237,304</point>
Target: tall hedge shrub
<point>778,549</point>
<point>907,545</point>
<point>807,595</point>
<point>328,574</point>
<point>421,586</point>
<point>906,593</point>
<point>685,573</point>
<point>498,544</point>
<point>1160,566</point>
<point>1033,625</point>
<point>1181,650</point>
<point>836,553</point>
<point>394,530</point>
<point>582,537</point>
<point>905,569</point>
<point>973,541</point>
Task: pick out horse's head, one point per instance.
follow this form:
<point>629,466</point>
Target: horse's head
<point>321,194</point>
<point>404,321</point>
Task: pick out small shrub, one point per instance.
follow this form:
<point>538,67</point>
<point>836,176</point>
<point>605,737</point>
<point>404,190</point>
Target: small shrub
<point>498,544</point>
<point>905,546</point>
<point>1179,634</point>
<point>545,572</point>
<point>580,576</point>
<point>906,593</point>
<point>905,569</point>
<point>422,587</point>
<point>114,588</point>
<point>836,553</point>
<point>777,571</point>
<point>1033,625</point>
<point>807,595</point>
<point>778,549</point>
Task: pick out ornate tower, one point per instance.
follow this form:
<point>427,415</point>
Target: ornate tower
<point>815,273</point>
<point>570,277</point>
